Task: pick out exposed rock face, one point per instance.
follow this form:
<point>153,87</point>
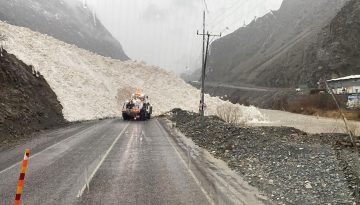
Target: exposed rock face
<point>27,103</point>
<point>66,20</point>
<point>301,43</point>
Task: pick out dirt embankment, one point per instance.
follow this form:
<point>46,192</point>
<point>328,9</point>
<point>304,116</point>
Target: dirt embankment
<point>27,103</point>
<point>286,164</point>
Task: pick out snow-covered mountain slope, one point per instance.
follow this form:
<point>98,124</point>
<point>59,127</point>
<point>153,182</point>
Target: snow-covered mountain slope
<point>66,20</point>
<point>91,86</point>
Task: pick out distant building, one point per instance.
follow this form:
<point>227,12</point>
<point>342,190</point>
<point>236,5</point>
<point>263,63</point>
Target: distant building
<point>350,86</point>
<point>345,85</point>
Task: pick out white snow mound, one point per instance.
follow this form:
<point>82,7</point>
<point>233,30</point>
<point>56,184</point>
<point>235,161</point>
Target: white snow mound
<point>90,86</point>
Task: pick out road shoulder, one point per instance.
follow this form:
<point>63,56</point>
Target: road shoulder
<point>223,185</point>
<point>11,154</point>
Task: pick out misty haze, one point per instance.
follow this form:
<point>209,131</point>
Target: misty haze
<point>163,32</point>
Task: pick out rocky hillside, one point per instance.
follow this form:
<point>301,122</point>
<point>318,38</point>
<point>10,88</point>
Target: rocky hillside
<point>27,103</point>
<point>298,44</point>
<point>66,20</point>
<point>341,48</point>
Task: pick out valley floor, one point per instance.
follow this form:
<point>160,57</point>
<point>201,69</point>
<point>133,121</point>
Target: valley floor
<point>274,102</point>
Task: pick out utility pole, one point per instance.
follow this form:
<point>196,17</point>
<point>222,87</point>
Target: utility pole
<point>201,106</point>
<point>203,70</point>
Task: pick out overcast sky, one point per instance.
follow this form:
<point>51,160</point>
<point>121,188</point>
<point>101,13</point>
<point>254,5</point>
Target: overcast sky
<point>163,32</point>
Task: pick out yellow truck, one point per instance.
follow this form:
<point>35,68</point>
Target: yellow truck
<point>137,107</point>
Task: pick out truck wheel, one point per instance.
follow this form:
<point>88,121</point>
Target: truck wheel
<point>150,112</point>
<point>125,116</point>
<point>143,115</point>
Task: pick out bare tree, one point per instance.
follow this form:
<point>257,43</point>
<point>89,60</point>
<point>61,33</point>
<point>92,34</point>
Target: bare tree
<point>229,113</point>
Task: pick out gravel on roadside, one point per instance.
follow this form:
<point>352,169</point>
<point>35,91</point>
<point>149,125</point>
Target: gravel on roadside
<point>286,164</point>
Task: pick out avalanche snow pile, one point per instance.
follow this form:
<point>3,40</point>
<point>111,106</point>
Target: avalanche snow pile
<point>91,86</point>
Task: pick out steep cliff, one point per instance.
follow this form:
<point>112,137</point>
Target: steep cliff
<point>66,20</point>
<point>301,43</point>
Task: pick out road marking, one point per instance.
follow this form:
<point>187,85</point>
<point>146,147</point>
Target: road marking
<point>72,136</point>
<point>185,165</point>
<point>81,191</point>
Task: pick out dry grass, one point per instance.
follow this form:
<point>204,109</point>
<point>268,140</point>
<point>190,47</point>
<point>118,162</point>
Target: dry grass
<point>349,114</point>
<point>353,128</point>
<point>309,104</point>
<point>229,113</point>
<point>322,105</point>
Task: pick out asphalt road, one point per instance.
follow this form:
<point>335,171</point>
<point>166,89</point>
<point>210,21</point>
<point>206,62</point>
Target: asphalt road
<point>117,162</point>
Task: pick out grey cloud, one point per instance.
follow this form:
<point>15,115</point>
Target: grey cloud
<point>154,13</point>
<point>163,32</point>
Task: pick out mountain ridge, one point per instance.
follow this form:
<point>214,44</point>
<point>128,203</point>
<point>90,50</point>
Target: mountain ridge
<point>286,48</point>
<point>65,20</point>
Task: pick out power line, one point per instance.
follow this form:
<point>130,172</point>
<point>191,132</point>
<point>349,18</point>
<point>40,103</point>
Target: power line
<point>206,7</point>
<point>234,7</point>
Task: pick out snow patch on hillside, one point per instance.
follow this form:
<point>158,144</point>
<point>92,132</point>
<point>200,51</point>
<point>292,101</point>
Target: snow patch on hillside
<point>91,86</point>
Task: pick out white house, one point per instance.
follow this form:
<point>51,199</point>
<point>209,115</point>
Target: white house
<point>345,85</point>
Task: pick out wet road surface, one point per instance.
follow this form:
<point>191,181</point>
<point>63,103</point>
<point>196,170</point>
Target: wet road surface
<point>116,162</point>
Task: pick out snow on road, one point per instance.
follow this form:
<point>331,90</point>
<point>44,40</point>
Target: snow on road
<point>90,86</point>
